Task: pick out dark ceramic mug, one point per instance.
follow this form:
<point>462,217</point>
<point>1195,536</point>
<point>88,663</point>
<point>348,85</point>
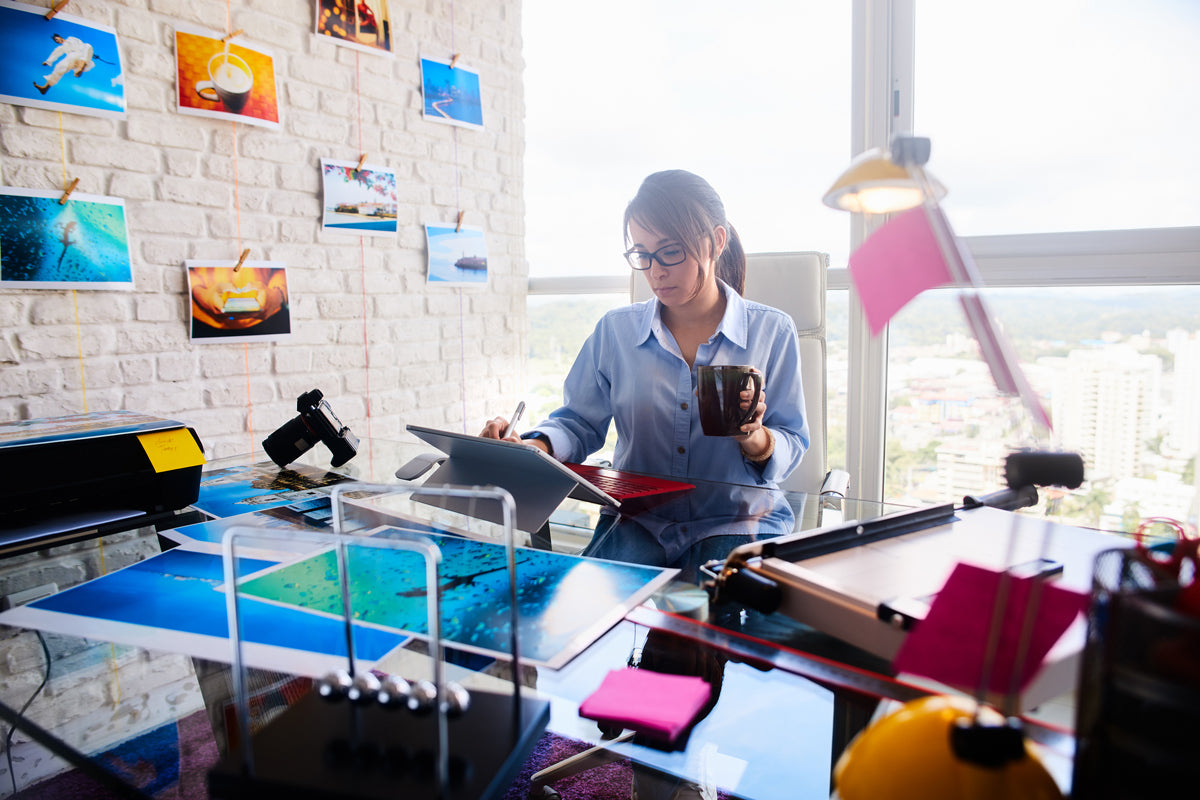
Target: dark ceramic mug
<point>719,392</point>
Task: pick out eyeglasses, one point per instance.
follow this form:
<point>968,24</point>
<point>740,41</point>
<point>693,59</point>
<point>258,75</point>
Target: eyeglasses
<point>669,256</point>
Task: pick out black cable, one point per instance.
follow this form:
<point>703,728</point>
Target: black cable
<point>12,728</point>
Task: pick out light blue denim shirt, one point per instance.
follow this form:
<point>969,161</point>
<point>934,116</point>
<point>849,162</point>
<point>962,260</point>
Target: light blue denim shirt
<point>631,371</point>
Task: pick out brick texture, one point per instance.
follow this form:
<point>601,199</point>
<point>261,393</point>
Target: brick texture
<point>205,189</point>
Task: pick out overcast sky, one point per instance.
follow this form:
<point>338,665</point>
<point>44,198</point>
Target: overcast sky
<point>1044,115</point>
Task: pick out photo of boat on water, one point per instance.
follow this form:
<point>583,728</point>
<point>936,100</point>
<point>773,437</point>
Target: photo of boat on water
<point>361,201</point>
<point>451,94</point>
<point>456,256</point>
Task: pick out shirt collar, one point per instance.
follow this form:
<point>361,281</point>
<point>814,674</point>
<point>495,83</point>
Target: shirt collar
<point>733,324</point>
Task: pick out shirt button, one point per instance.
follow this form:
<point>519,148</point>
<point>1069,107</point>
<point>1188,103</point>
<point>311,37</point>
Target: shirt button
<point>683,406</point>
<point>682,450</point>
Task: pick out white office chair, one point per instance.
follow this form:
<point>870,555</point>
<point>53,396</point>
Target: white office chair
<point>794,283</point>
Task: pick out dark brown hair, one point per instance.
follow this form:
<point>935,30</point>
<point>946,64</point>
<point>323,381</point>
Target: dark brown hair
<point>680,205</point>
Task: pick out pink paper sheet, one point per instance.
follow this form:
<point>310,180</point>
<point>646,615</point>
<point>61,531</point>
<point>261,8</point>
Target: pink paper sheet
<point>950,644</point>
<point>895,264</point>
<point>654,703</point>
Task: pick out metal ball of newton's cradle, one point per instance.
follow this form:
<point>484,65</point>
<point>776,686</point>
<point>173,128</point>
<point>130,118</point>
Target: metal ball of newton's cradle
<point>394,692</point>
<point>423,697</point>
<point>364,689</point>
<point>335,686</point>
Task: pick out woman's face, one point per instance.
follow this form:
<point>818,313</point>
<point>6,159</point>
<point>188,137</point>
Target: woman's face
<point>685,282</point>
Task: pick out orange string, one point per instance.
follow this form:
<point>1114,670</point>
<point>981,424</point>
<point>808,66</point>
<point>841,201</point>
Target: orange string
<point>362,258</point>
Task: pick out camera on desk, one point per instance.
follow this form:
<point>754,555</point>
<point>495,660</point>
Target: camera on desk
<point>316,422</point>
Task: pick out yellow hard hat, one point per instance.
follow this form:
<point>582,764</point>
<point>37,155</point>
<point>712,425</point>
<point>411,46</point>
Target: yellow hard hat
<point>934,749</point>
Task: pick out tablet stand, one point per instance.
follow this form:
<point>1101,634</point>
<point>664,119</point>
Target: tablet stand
<point>359,736</point>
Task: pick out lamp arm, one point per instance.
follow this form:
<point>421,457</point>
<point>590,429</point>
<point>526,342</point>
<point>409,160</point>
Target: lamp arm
<point>993,344</point>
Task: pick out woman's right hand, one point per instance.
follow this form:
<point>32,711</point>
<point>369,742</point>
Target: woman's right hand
<point>494,429</point>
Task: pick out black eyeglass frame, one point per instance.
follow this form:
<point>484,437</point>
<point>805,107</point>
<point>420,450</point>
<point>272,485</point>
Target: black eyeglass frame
<point>637,258</point>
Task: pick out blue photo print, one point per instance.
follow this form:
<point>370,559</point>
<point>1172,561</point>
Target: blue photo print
<point>456,256</point>
<point>451,94</point>
<point>63,64</point>
<point>80,244</point>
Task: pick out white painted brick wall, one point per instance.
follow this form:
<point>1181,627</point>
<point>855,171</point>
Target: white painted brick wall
<point>176,175</point>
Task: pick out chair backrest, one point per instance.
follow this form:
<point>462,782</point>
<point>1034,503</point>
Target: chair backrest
<point>795,284</point>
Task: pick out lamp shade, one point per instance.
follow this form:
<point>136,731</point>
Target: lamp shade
<point>875,184</point>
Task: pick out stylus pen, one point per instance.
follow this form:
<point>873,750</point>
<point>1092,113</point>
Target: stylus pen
<point>516,416</point>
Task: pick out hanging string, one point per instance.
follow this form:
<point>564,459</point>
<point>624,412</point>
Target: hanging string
<point>462,332</point>
<point>62,147</point>
<point>362,251</point>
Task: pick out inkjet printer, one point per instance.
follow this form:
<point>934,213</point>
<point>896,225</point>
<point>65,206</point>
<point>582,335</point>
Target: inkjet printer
<point>66,474</point>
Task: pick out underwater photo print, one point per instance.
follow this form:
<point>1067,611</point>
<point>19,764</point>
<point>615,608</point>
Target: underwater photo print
<point>231,304</point>
<point>564,602</point>
<point>80,244</point>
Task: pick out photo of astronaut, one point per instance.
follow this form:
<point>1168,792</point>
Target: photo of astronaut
<point>65,63</point>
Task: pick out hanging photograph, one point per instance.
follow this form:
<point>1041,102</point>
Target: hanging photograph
<point>225,80</point>
<point>80,244</point>
<point>451,94</point>
<point>361,201</point>
<point>63,64</point>
<point>456,257</point>
<point>361,24</point>
<point>231,304</point>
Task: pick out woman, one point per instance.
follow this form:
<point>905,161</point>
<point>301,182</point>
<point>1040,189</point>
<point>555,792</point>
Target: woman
<point>638,368</point>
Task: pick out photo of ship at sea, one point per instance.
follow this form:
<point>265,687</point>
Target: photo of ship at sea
<point>456,256</point>
<point>361,201</point>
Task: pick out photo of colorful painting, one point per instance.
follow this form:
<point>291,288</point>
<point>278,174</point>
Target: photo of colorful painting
<point>456,256</point>
<point>231,304</point>
<point>361,201</point>
<point>362,24</point>
<point>80,244</point>
<point>63,64</point>
<point>225,80</point>
<point>451,93</point>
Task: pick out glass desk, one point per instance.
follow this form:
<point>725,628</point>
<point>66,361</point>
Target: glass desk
<point>787,698</point>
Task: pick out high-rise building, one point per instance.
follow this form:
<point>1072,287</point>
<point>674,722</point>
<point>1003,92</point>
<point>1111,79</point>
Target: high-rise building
<point>1105,407</point>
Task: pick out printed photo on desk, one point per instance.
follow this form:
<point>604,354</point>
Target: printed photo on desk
<point>565,602</point>
<point>457,255</point>
<point>234,302</point>
<point>65,63</point>
<point>80,244</point>
<point>229,491</point>
<point>175,602</point>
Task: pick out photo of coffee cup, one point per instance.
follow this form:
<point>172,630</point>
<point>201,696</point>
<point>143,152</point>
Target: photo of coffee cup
<point>719,392</point>
<point>230,81</point>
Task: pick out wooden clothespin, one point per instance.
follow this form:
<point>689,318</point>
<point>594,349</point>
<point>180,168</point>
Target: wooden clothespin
<point>242,260</point>
<point>454,60</point>
<point>57,8</point>
<point>458,227</point>
<point>229,36</point>
<point>361,160</point>
<point>62,201</point>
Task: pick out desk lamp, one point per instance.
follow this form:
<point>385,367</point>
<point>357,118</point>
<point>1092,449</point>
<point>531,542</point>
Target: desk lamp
<point>942,746</point>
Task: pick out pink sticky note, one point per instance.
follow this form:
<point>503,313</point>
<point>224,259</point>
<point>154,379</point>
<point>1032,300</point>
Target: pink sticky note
<point>655,703</point>
<point>950,644</point>
<point>895,264</point>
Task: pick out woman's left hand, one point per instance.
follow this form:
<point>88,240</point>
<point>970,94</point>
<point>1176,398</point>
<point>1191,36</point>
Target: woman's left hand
<point>755,438</point>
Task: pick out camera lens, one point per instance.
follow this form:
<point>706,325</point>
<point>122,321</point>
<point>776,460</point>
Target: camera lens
<point>292,440</point>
